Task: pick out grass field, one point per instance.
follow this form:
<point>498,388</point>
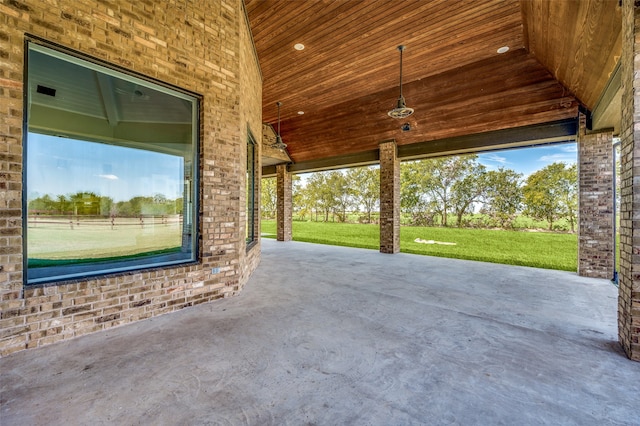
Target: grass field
<point>57,241</point>
<point>536,249</point>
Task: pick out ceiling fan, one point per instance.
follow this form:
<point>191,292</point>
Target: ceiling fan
<point>401,110</point>
<point>278,143</point>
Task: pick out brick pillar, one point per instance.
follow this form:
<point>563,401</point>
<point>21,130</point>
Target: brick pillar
<point>595,211</point>
<point>629,276</point>
<point>389,198</point>
<point>284,203</point>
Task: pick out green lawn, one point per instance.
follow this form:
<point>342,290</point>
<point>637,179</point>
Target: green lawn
<point>55,242</point>
<point>537,249</point>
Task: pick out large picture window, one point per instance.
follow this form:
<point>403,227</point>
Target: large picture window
<point>251,190</point>
<point>111,163</point>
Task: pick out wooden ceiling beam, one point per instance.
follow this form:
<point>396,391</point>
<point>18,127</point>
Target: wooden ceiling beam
<point>346,79</point>
<point>563,131</point>
<point>512,90</point>
<point>579,42</point>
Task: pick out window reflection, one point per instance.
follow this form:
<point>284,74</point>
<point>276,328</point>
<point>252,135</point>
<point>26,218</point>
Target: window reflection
<point>109,162</point>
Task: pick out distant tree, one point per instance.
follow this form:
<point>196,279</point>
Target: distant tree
<point>159,198</point>
<point>107,207</point>
<point>414,197</point>
<point>62,204</point>
<point>569,193</point>
<point>268,198</point>
<point>140,205</point>
<point>467,190</point>
<point>157,205</point>
<point>320,194</point>
<point>364,183</point>
<point>503,195</point>
<point>450,181</point>
<point>85,203</point>
<point>124,208</point>
<point>43,204</point>
<point>551,193</point>
<point>341,193</point>
<point>297,195</point>
<point>304,201</point>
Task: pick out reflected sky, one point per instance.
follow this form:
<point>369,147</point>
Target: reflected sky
<point>62,166</point>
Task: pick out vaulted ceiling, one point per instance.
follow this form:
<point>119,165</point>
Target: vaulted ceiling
<point>561,57</point>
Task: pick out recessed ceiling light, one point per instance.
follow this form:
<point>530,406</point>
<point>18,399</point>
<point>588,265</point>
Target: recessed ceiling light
<point>298,46</point>
<point>503,49</point>
<point>300,112</point>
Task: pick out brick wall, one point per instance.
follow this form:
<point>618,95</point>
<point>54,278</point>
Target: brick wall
<point>629,277</point>
<point>595,217</point>
<point>284,203</point>
<point>251,109</point>
<point>389,198</point>
<point>199,46</point>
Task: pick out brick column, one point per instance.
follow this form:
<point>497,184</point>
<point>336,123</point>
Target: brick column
<point>284,203</point>
<point>629,277</point>
<point>389,198</point>
<point>595,211</point>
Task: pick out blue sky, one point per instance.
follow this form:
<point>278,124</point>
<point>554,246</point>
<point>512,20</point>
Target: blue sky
<point>61,166</point>
<point>64,166</point>
<point>525,160</point>
<point>529,160</point>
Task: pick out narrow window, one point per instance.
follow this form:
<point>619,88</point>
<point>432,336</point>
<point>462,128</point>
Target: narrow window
<point>251,190</point>
<point>111,163</point>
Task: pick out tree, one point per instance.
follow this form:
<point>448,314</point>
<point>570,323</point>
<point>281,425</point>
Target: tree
<point>297,196</point>
<point>468,190</point>
<point>320,194</point>
<point>552,193</point>
<point>330,193</point>
<point>43,204</point>
<point>569,194</point>
<point>139,205</point>
<point>503,195</point>
<point>414,200</point>
<point>107,207</point>
<point>340,191</point>
<point>63,204</point>
<point>124,208</point>
<point>85,203</point>
<point>179,205</point>
<point>304,200</point>
<point>268,198</point>
<point>365,187</point>
<point>445,174</point>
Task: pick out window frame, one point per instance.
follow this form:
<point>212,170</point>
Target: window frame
<point>37,44</point>
<point>251,190</point>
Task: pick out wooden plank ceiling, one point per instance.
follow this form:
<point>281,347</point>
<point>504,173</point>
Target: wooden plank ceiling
<point>561,54</point>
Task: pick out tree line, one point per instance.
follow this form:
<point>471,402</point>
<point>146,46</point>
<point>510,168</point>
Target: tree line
<point>447,191</point>
<point>87,203</point>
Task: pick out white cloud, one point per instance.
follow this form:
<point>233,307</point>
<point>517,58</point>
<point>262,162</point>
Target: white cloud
<point>495,158</point>
<point>564,157</point>
<point>492,160</point>
<point>565,153</point>
<point>110,177</point>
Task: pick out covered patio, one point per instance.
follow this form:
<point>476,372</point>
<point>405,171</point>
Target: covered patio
<point>339,335</point>
<point>478,76</point>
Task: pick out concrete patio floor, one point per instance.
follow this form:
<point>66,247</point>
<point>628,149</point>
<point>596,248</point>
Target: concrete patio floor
<point>332,335</point>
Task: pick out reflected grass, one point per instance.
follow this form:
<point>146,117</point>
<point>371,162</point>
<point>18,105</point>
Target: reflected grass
<point>57,243</point>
